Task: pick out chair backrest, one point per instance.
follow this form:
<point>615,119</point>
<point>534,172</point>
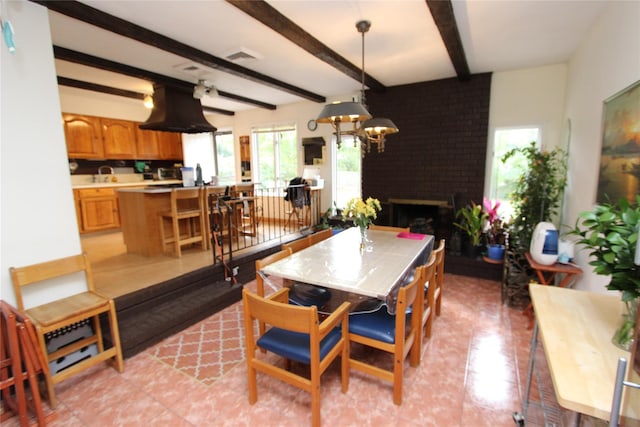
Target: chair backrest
<point>296,192</point>
<point>297,245</point>
<point>24,276</point>
<point>439,253</point>
<point>388,228</point>
<point>319,236</point>
<point>246,190</point>
<point>261,263</point>
<point>180,196</point>
<point>281,314</point>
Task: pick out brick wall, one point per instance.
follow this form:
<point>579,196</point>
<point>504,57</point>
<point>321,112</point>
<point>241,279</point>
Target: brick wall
<point>440,150</point>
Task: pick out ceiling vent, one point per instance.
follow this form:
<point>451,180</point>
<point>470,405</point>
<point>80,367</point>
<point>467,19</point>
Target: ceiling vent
<point>242,55</point>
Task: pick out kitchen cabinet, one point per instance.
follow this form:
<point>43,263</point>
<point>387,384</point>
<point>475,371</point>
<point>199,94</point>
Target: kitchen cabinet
<point>84,136</point>
<point>147,144</point>
<point>170,144</point>
<point>119,137</point>
<point>98,208</point>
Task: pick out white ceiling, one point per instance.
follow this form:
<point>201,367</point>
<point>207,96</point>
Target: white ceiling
<point>403,45</point>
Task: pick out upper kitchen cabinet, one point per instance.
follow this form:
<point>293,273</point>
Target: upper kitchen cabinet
<point>170,144</point>
<point>147,144</point>
<point>84,136</point>
<point>119,138</point>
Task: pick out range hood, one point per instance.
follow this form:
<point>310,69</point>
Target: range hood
<point>176,110</point>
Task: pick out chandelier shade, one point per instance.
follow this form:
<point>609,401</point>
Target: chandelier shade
<point>343,112</point>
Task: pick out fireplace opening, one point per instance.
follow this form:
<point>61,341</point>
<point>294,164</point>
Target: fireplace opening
<point>423,216</point>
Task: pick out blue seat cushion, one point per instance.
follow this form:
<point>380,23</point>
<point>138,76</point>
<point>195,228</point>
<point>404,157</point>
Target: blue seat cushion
<point>379,325</point>
<point>295,345</point>
<point>308,295</point>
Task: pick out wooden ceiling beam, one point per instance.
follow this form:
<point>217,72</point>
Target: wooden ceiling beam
<point>92,16</point>
<point>442,12</point>
<point>80,84</point>
<point>65,54</point>
<point>269,16</point>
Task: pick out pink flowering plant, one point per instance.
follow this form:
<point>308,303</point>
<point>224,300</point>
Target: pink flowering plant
<point>495,226</point>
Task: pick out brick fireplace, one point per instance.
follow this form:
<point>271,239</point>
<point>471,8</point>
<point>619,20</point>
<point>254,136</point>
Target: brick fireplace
<point>436,163</point>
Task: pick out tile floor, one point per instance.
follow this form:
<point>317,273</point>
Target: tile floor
<point>472,374</point>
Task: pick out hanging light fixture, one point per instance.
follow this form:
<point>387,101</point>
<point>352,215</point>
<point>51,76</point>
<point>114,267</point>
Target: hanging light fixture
<point>374,130</point>
<point>371,130</point>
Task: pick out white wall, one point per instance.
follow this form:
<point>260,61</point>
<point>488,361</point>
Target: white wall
<point>38,220</point>
<point>607,61</point>
<point>530,97</point>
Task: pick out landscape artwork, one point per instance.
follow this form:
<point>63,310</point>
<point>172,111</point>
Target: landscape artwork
<point>620,159</point>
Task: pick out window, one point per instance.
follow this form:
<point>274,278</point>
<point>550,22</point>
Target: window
<point>348,166</point>
<point>504,176</point>
<point>277,155</point>
<point>214,152</point>
<point>225,160</point>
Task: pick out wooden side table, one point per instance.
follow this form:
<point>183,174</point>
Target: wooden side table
<point>546,275</point>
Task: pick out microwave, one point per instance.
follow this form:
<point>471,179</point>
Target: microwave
<point>169,173</point>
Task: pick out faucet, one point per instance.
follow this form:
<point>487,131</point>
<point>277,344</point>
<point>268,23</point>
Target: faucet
<point>102,167</point>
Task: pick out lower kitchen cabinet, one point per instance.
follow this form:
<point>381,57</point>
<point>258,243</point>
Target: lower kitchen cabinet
<point>98,209</point>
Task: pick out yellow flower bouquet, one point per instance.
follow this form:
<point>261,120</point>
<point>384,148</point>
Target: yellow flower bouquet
<point>362,213</point>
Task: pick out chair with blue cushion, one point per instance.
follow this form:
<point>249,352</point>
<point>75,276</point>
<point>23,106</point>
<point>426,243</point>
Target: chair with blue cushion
<point>260,277</point>
<point>319,236</point>
<point>439,275</point>
<point>389,228</point>
<point>303,293</point>
<point>295,334</point>
<point>398,334</point>
<point>428,302</point>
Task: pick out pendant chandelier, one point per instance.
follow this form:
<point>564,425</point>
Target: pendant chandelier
<point>367,129</point>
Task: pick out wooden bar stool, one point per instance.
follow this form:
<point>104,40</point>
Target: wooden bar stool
<point>187,220</point>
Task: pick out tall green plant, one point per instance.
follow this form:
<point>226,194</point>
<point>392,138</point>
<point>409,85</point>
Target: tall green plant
<point>538,191</point>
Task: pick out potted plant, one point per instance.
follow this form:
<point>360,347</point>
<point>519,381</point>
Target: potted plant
<point>536,198</point>
<point>610,233</point>
<point>472,223</point>
<point>538,192</point>
<point>495,230</point>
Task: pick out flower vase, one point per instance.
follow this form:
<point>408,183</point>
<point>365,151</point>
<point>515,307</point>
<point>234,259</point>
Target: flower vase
<point>623,337</point>
<point>363,236</point>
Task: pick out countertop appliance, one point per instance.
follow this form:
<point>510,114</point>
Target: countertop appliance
<point>169,173</point>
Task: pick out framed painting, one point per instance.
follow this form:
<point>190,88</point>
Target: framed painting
<point>620,157</point>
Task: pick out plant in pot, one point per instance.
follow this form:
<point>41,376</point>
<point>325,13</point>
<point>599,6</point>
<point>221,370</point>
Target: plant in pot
<point>495,230</point>
<point>471,221</point>
<point>536,197</point>
<point>610,233</point>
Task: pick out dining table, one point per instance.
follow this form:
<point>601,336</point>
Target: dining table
<point>376,271</point>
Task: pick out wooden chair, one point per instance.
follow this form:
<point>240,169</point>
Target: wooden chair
<point>620,382</point>
<point>319,236</point>
<point>209,199</point>
<point>187,220</point>
<point>296,334</point>
<point>388,228</point>
<point>12,376</point>
<point>297,245</point>
<point>33,361</point>
<point>260,278</point>
<point>439,275</point>
<point>392,334</point>
<point>428,272</point>
<point>67,312</point>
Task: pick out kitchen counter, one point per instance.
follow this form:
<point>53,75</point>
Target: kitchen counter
<point>125,184</point>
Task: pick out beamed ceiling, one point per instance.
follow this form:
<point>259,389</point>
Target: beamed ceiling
<point>262,54</point>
